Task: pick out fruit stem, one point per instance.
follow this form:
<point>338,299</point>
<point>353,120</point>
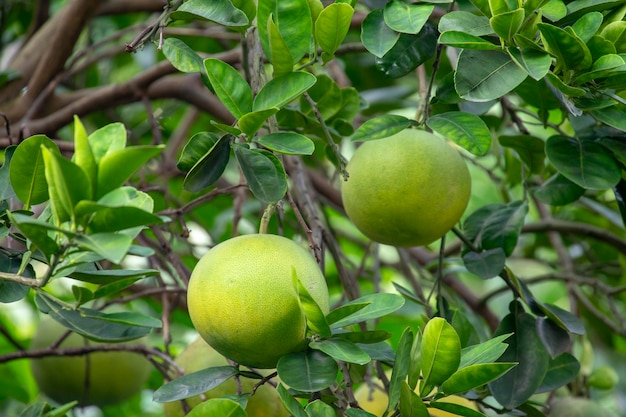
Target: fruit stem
<point>265,219</point>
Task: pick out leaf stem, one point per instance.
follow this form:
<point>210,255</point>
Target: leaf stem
<point>265,219</point>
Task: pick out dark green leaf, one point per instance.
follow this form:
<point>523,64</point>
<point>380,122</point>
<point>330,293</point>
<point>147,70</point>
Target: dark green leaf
<point>411,404</point>
<point>368,336</point>
<point>342,350</point>
<point>344,311</point>
<point>563,318</point>
<point>409,52</point>
<point>209,168</point>
<point>218,11</point>
<point>381,127</point>
<point>536,63</point>
<point>291,404</point>
<point>569,50</point>
<point>282,90</point>
<point>455,409</point>
<point>613,116</point>
<point>507,24</point>
<point>230,86</point>
<point>315,319</point>
<point>193,384</point>
<point>405,17</point>
<point>486,75</point>
<point>319,408</point>
<point>620,197</point>
<point>562,370</point>
<point>197,146</point>
<point>293,20</point>
<point>378,305</point>
<point>27,172</point>
<point>558,191</point>
<point>36,231</point>
<point>264,172</point>
<point>441,352</point>
<point>400,368</point>
<point>554,338</point>
<point>464,40</point>
<point>307,371</point>
<point>584,162</point>
<point>251,122</point>
<point>496,225</point>
<point>486,264</point>
<point>280,57</point>
<point>105,276</point>
<point>376,36</point>
<point>530,149</point>
<point>466,22</point>
<point>12,291</point>
<point>6,190</point>
<point>465,129</point>
<point>288,143</point>
<point>485,352</point>
<point>474,376</point>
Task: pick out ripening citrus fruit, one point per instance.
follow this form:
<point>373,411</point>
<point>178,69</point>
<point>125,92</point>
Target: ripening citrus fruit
<point>577,407</point>
<point>99,378</point>
<point>199,355</point>
<point>406,190</point>
<point>243,301</point>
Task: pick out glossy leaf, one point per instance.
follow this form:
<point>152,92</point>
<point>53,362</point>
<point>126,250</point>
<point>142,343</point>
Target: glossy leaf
<point>116,167</point>
<point>218,11</point>
<point>377,305</point>
<point>405,17</point>
<point>36,230</point>
<point>535,63</point>
<point>603,67</point>
<point>464,40</point>
<point>414,370</point>
<point>218,407</point>
<point>506,25</point>
<point>465,22</point>
<point>587,26</point>
<point>473,376</point>
<point>584,162</point>
<point>400,368</point>
<point>558,191</point>
<point>342,350</point>
<point>279,55</point>
<point>230,86</point>
<point>6,190</point>
<point>291,404</point>
<point>319,408</point>
<point>67,185</point>
<point>107,139</point>
<point>83,155</point>
<point>288,143</point>
<point>27,172</point>
<point>264,173</point>
<point>578,8</point>
<point>487,264</point>
<point>197,146</point>
<point>525,348</point>
<point>376,36</point>
<point>282,90</point>
<point>411,404</point>
<point>441,352</point>
<point>486,352</point>
<point>293,20</point>
<point>381,127</point>
<point>613,116</point>
<point>344,311</point>
<point>561,371</point>
<point>194,383</point>
<point>568,49</point>
<point>465,129</point>
<point>364,337</point>
<point>210,166</point>
<point>307,371</point>
<point>104,218</point>
<point>496,225</point>
<point>105,276</point>
<point>486,75</point>
<point>563,318</point>
<point>554,338</point>
<point>251,122</point>
<point>530,149</point>
<point>316,322</point>
<point>409,52</point>
<point>455,409</point>
<point>110,246</point>
<point>11,291</point>
<point>181,56</point>
<point>332,25</point>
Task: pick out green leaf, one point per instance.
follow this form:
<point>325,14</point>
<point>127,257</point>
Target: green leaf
<point>496,225</point>
<point>332,26</point>
<point>525,348</point>
<point>506,25</point>
<point>104,218</point>
<point>411,404</point>
<point>208,168</point>
<point>487,264</point>
<point>116,167</point>
<point>530,149</point>
<point>197,146</point>
<point>405,17</point>
<point>307,371</point>
<point>584,162</point>
<point>455,409</point>
<point>218,11</point>
<point>414,371</point>
<point>327,95</point>
<point>280,57</point>
<point>218,407</point>
<point>343,311</point>
<point>291,404</point>
<point>377,305</point>
<point>464,40</point>
<point>83,155</point>
<point>558,191</point>
<point>27,172</point>
<point>319,408</point>
<point>12,291</point>
<point>251,122</point>
<point>556,339</point>
<point>368,336</point>
<point>615,32</point>
<point>569,50</point>
<point>316,322</point>
<point>466,22</point>
<point>485,352</point>
<point>381,127</point>
<point>36,230</point>
<point>6,190</point>
<point>587,26</point>
<point>294,22</point>
<point>613,116</point>
<point>563,318</point>
<point>603,67</point>
<point>465,129</point>
<point>535,63</point>
<point>486,75</point>
<point>264,173</point>
<point>400,368</point>
<point>107,276</point>
<point>288,143</point>
<point>107,139</point>
<point>91,324</point>
<point>441,353</point>
<point>67,185</point>
<point>194,383</point>
<point>282,90</point>
<point>578,8</point>
<point>409,52</point>
<point>561,370</point>
<point>376,36</point>
<point>230,86</point>
<point>473,376</point>
<point>181,56</point>
<point>110,246</point>
<point>342,349</point>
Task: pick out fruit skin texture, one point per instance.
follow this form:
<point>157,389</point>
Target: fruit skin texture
<point>199,355</point>
<point>113,376</point>
<point>408,189</point>
<point>243,302</point>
